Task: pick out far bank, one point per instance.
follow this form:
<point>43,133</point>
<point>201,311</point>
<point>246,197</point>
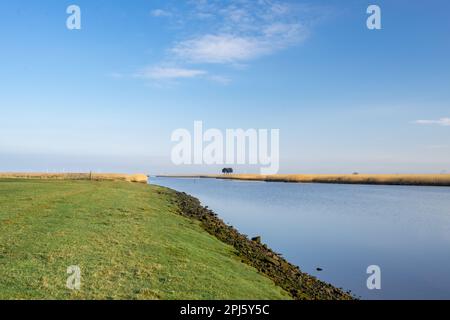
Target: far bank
<point>370,179</point>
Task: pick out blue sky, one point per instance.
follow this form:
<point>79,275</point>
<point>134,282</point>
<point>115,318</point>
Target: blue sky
<point>107,97</point>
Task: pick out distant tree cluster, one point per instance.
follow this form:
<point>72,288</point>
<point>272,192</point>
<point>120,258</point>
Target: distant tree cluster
<point>227,170</point>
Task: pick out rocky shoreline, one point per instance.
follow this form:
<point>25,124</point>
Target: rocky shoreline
<point>300,285</point>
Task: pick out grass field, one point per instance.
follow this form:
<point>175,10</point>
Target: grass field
<point>127,239</point>
<point>381,179</point>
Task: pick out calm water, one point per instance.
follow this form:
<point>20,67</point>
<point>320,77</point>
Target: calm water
<point>343,229</point>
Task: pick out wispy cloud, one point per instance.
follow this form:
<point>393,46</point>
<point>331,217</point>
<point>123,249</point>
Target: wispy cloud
<point>220,79</point>
<point>438,146</point>
<point>440,122</point>
<point>218,49</point>
<point>116,75</point>
<point>160,13</point>
<point>164,73</point>
<point>231,33</point>
<point>242,30</point>
<point>230,48</point>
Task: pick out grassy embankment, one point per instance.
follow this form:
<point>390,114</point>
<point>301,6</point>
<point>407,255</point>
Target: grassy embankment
<point>379,179</point>
<point>128,239</point>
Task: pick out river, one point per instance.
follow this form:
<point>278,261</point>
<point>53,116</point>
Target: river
<point>343,229</point>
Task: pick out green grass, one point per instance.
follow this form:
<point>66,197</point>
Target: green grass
<point>127,239</point>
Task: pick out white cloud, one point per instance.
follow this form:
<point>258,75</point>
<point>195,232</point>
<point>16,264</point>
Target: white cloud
<point>438,146</point>
<point>242,30</point>
<point>220,79</point>
<point>232,32</point>
<point>218,49</point>
<point>116,75</point>
<point>160,13</point>
<point>164,73</point>
<point>440,122</point>
<point>231,48</point>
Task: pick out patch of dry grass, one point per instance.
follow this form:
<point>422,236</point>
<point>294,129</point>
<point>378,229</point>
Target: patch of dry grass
<point>386,179</point>
<point>142,178</point>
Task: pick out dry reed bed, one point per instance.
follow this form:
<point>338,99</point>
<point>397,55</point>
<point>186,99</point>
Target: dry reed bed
<point>141,178</point>
<point>380,179</point>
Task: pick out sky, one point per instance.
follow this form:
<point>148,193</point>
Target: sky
<point>108,97</point>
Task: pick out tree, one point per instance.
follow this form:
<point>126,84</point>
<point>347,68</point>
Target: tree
<point>227,170</point>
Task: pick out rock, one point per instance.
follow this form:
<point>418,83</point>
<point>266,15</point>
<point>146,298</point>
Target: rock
<point>271,260</point>
<point>257,239</point>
